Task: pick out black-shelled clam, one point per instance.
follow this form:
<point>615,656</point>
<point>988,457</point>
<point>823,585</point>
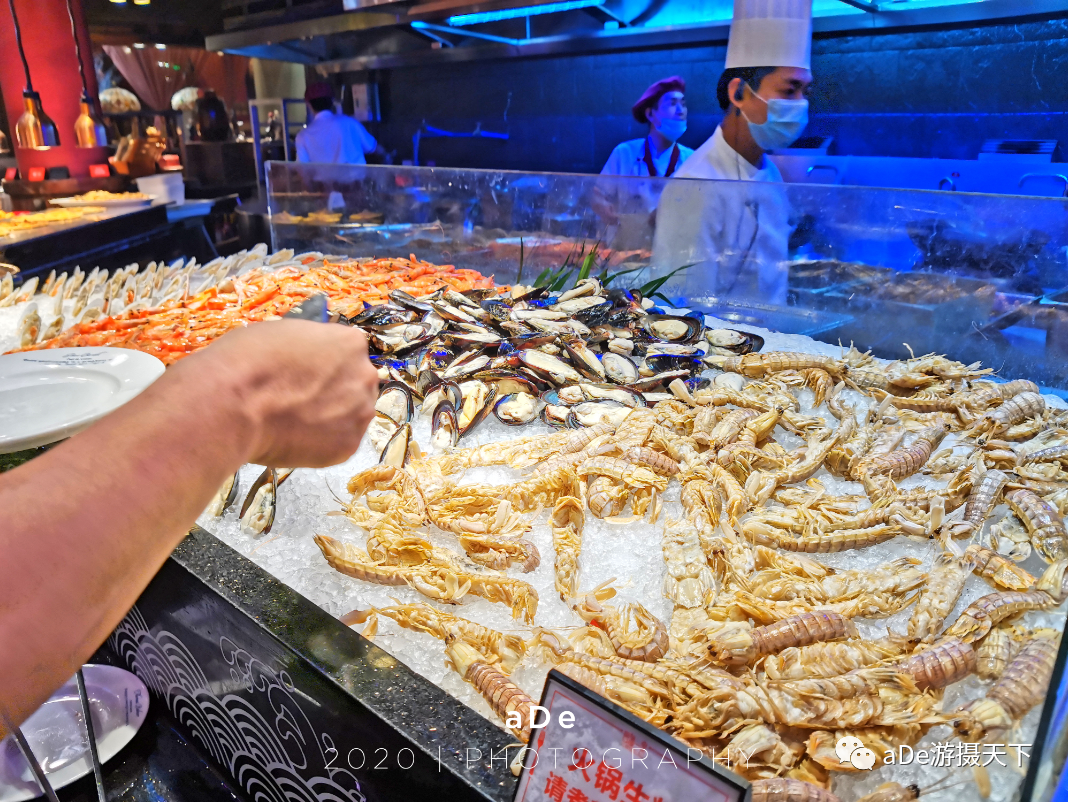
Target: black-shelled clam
<point>660,363</point>
<point>497,309</point>
<point>591,311</point>
<point>387,365</point>
<point>553,368</point>
<point>479,294</point>
<point>426,381</point>
<point>590,413</point>
<point>737,342</point>
<point>261,503</point>
<point>695,383</point>
<point>673,328</point>
<point>619,368</point>
<point>398,338</point>
<point>454,313</point>
<point>383,315</point>
<point>442,391</point>
<point>612,392</point>
<point>530,293</point>
<point>584,360</point>
<point>398,448</point>
<point>444,430</point>
<point>224,499</point>
<point>401,298</point>
<point>477,402</point>
<point>454,394</point>
<point>534,339</point>
<point>436,357</point>
<point>555,415</point>
<point>516,409</point>
<point>659,381</point>
<point>395,401</point>
<point>435,321</point>
<point>466,365</point>
<point>472,339</point>
<point>507,381</point>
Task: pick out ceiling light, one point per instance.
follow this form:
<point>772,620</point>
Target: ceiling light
<point>139,46</point>
<point>161,47</point>
<point>513,13</point>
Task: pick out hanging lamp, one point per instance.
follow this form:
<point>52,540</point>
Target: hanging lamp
<point>89,131</point>
<point>34,128</point>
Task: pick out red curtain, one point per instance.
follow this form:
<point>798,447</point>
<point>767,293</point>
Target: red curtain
<point>223,73</point>
<point>155,74</point>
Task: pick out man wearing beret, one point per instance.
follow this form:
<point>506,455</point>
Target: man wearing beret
<point>663,108</point>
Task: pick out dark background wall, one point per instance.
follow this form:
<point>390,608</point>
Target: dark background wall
<point>927,93</point>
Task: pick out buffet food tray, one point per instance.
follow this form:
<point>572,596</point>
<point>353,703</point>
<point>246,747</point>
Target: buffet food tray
<point>932,326</point>
<point>783,319</point>
<point>816,274</point>
<point>1026,337</point>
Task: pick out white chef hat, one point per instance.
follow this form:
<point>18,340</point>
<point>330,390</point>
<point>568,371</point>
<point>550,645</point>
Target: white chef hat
<point>771,33</point>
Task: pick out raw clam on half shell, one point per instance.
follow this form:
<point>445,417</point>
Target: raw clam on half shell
<point>516,409</point>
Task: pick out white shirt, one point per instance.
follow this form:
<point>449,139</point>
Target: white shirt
<point>735,235</point>
<point>628,158</point>
<point>633,201</point>
<point>334,139</point>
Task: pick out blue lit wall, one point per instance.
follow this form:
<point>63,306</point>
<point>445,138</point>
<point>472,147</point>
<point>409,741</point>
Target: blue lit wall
<point>942,93</point>
<point>932,93</point>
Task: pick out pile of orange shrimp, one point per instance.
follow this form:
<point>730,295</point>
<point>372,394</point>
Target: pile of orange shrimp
<point>178,328</point>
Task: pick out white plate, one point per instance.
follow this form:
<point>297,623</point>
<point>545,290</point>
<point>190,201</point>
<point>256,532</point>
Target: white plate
<point>111,203</point>
<point>119,703</point>
<point>53,393</point>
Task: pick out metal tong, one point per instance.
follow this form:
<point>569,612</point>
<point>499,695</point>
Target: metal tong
<point>312,308</point>
<point>90,734</point>
<point>35,767</point>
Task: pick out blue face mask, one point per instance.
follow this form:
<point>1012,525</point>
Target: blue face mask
<point>786,120</point>
<point>672,129</point>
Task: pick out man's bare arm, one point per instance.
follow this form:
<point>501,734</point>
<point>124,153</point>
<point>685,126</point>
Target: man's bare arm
<point>86,525</point>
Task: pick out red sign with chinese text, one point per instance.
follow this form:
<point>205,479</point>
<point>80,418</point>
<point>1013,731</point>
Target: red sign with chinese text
<point>592,751</point>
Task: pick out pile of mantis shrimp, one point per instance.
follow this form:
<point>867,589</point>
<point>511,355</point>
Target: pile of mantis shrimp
<point>762,658</point>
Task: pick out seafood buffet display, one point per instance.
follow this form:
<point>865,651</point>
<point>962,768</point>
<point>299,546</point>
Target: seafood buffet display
<point>761,552</point>
<point>171,311</point>
<point>759,543</point>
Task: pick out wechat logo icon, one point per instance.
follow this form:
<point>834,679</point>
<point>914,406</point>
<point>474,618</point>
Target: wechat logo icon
<point>851,751</point>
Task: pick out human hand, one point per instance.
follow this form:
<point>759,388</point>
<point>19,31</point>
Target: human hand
<point>306,391</point>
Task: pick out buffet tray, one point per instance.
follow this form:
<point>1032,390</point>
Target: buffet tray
<point>878,323</point>
<point>1028,339</point>
<point>783,319</point>
<point>817,274</point>
<point>292,703</point>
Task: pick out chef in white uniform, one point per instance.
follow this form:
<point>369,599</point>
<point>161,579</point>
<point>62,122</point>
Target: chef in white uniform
<point>330,137</point>
<point>736,236</point>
